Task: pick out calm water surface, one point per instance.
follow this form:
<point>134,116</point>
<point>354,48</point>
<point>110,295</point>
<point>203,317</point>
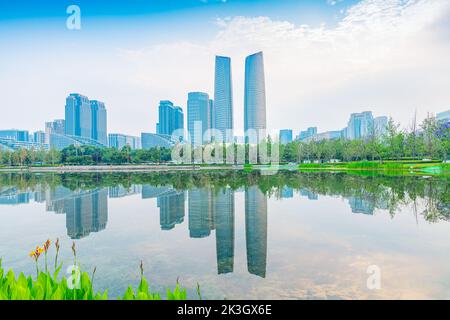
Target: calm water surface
<point>239,235</point>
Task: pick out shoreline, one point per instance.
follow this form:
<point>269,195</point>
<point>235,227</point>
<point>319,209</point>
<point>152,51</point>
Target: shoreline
<point>115,168</point>
<point>201,168</point>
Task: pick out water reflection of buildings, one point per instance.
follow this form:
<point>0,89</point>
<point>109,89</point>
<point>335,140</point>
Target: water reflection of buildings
<point>256,230</point>
<point>171,204</point>
<point>286,193</point>
<point>12,196</point>
<point>224,223</point>
<point>309,194</point>
<point>121,191</point>
<point>86,211</point>
<point>201,213</point>
<point>360,205</point>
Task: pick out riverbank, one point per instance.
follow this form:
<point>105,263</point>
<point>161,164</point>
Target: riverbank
<point>391,167</point>
<point>408,167</point>
<point>116,168</point>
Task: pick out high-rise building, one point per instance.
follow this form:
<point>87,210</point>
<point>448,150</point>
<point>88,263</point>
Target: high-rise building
<point>85,118</point>
<point>285,136</point>
<point>16,135</point>
<point>99,125</point>
<point>118,141</point>
<point>311,131</point>
<point>78,116</point>
<point>360,125</point>
<point>212,119</point>
<point>199,117</point>
<point>171,118</point>
<point>54,127</point>
<point>39,137</point>
<point>223,98</point>
<point>255,94</point>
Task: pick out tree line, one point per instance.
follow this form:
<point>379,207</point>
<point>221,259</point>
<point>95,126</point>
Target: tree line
<point>429,140</point>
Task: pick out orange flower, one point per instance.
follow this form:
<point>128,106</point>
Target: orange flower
<point>47,245</point>
<point>36,253</point>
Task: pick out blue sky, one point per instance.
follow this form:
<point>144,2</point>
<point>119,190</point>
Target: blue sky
<point>285,9</point>
<point>322,57</point>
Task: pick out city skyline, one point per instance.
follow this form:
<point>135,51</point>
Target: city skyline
<point>305,77</point>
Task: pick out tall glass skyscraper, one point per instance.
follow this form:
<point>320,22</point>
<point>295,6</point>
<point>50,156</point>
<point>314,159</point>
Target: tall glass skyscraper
<point>171,118</point>
<point>85,118</point>
<point>255,93</point>
<point>78,116</point>
<point>199,117</point>
<point>223,97</point>
<point>99,122</point>
<point>285,136</point>
<point>360,125</point>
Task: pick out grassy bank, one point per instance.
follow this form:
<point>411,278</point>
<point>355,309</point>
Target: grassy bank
<point>420,167</point>
<point>392,167</point>
<point>80,286</point>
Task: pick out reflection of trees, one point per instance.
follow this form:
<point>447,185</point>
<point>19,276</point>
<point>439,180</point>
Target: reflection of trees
<point>382,191</point>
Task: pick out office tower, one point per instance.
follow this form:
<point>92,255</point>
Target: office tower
<point>311,131</point>
<point>199,118</point>
<point>256,230</point>
<point>360,125</point>
<point>171,118</point>
<point>285,136</point>
<point>179,122</point>
<point>99,125</point>
<point>118,141</point>
<point>255,94</point>
<point>211,114</point>
<point>16,135</point>
<point>223,97</point>
<point>224,225</point>
<point>39,137</point>
<point>200,211</point>
<point>380,125</point>
<point>54,127</point>
<point>78,116</point>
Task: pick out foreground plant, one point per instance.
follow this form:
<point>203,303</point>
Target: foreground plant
<point>79,286</point>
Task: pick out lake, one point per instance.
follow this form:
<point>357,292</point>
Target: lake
<point>239,235</point>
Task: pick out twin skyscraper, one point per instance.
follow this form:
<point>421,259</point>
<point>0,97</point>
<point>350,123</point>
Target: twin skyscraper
<point>217,115</point>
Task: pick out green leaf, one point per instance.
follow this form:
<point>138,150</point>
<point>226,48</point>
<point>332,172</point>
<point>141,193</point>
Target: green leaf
<point>143,286</point>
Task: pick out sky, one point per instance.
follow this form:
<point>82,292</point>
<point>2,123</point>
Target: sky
<point>324,59</point>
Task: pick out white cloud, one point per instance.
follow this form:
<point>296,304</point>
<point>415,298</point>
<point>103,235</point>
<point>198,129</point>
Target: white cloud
<point>383,56</point>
